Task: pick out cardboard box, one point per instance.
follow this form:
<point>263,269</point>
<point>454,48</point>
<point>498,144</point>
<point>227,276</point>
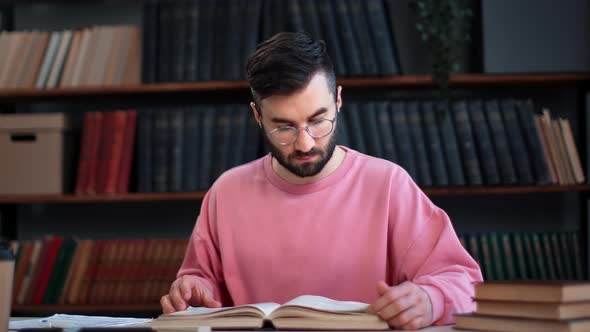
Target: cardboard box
<point>33,154</point>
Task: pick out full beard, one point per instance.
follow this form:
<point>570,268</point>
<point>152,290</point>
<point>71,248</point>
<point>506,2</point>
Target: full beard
<point>303,169</point>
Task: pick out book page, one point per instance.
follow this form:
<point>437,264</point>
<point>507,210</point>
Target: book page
<point>326,304</point>
<point>266,308</point>
<point>76,321</point>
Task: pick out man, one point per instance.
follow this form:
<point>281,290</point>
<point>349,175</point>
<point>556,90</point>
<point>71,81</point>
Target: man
<point>317,218</point>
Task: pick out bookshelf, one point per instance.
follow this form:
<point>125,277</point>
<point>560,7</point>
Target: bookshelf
<point>478,85</point>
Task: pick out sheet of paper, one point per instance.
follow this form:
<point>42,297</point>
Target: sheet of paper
<point>76,321</point>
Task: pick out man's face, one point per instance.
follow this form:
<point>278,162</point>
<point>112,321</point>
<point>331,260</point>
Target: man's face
<point>307,156</point>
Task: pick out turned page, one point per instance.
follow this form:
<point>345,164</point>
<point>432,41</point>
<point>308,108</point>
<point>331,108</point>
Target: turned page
<point>321,303</point>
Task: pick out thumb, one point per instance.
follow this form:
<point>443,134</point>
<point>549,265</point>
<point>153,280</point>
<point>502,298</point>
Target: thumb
<point>382,287</point>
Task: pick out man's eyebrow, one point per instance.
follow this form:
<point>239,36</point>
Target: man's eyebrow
<point>316,113</point>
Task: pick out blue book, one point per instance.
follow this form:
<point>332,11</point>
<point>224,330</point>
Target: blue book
<point>385,123</point>
<point>356,129</point>
<point>467,144</point>
<point>192,149</point>
<point>418,138</point>
<point>402,139</point>
<point>176,149</point>
<point>483,142</point>
<point>450,145</point>
<point>516,142</point>
<point>500,139</point>
<point>432,139</point>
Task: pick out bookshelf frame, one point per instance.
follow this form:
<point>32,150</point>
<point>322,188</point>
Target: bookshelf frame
<point>191,196</point>
<point>12,95</point>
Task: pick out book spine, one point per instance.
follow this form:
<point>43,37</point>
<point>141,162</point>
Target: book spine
<point>516,142</point>
<point>466,144</point>
<point>507,171</point>
<point>418,138</point>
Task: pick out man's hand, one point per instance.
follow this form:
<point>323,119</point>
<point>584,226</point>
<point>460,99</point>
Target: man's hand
<point>187,290</point>
<point>405,306</point>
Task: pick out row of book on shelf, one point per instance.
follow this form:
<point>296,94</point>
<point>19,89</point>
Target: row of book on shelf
<point>473,143</point>
<point>516,306</point>
<point>469,143</point>
<point>94,56</point>
<point>66,270</point>
<point>191,40</point>
<point>178,149</point>
<point>526,255</point>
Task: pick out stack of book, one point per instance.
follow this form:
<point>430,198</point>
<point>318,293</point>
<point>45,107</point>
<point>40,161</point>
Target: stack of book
<point>529,306</point>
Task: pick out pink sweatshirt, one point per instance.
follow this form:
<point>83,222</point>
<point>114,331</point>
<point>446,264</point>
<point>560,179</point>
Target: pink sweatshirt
<point>259,238</point>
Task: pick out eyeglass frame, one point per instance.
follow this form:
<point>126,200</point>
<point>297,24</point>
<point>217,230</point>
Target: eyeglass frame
<point>269,133</point>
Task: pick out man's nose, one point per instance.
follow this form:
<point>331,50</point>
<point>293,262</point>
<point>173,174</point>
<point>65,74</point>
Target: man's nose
<point>304,141</point>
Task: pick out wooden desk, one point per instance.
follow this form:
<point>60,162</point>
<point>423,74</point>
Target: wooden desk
<point>428,329</point>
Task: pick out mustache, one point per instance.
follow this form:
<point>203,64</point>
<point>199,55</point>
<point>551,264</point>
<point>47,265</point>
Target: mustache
<point>300,154</point>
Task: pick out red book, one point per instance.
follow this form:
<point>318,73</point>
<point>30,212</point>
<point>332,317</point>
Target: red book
<point>46,269</point>
<point>128,148</point>
<point>95,147</point>
<point>115,152</point>
<point>85,150</point>
<point>104,153</point>
<point>37,268</point>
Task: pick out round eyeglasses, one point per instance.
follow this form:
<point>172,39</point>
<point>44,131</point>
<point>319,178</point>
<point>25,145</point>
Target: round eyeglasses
<point>288,135</point>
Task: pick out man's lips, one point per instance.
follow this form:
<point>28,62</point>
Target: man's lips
<point>306,158</point>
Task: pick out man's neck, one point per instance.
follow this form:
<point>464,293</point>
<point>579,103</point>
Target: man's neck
<point>335,161</point>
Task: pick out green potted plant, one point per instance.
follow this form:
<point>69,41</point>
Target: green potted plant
<point>445,26</point>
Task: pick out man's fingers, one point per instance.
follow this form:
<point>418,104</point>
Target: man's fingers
<point>408,317</point>
<point>177,299</point>
<point>185,288</point>
<point>415,324</point>
<point>396,307</point>
<point>167,306</point>
<point>391,295</point>
<point>382,287</point>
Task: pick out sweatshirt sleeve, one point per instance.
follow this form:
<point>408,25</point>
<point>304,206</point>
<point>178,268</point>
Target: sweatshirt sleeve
<point>426,251</point>
<point>202,257</point>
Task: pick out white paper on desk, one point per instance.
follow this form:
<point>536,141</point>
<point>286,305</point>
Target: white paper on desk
<point>76,321</point>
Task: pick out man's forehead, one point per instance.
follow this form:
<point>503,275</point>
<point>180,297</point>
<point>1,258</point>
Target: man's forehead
<point>314,95</point>
<point>295,108</point>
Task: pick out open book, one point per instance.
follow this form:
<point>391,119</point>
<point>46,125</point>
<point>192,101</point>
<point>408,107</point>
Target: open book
<point>304,312</point>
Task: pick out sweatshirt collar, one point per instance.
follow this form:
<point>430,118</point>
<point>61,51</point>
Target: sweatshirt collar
<point>311,187</point>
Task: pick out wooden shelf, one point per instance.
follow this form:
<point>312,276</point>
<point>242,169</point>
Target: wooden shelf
<point>402,81</point>
<point>104,198</point>
<point>505,190</point>
<point>141,197</point>
<point>41,308</point>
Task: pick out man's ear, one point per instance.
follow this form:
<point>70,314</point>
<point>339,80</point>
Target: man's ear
<point>339,97</point>
<point>256,114</point>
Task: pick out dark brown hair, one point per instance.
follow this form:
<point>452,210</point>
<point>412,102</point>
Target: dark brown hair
<point>285,63</point>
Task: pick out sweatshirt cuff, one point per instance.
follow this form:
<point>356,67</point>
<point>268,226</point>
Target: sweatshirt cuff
<point>437,301</point>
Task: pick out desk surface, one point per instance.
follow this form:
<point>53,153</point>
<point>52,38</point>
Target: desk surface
<point>428,329</point>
